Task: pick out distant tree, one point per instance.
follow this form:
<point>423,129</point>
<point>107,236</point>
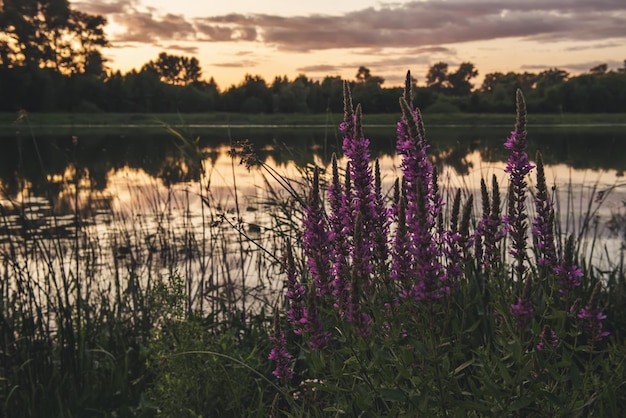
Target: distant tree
<point>508,82</point>
<point>599,69</point>
<point>459,81</point>
<point>437,77</point>
<point>364,75</point>
<point>251,96</point>
<point>551,77</point>
<point>174,69</point>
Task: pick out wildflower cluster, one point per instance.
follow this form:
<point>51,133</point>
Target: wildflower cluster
<point>375,264</point>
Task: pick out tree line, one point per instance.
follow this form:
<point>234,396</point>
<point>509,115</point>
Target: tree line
<point>51,61</point>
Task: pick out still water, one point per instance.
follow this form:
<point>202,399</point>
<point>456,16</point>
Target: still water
<point>153,201</point>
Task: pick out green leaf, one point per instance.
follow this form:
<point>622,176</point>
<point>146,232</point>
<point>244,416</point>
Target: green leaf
<point>462,367</point>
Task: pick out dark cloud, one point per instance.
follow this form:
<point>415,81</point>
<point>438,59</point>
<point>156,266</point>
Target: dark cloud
<point>236,64</point>
<point>577,67</point>
<point>322,68</point>
<point>188,49</point>
<point>413,24</point>
<point>594,46</point>
<point>143,27</point>
<point>103,7</point>
<point>426,23</point>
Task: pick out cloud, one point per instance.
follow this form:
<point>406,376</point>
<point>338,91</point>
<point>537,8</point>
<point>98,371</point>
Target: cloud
<point>428,23</point>
<point>188,49</point>
<point>577,67</point>
<point>236,64</point>
<point>100,7</point>
<point>321,68</point>
<point>412,24</point>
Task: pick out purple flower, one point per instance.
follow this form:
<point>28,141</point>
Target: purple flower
<point>296,314</point>
<point>489,230</point>
<point>523,312</point>
<point>592,322</point>
<point>401,256</point>
<point>316,241</point>
<point>314,329</point>
<point>340,251</point>
<point>362,198</point>
<point>354,314</point>
<point>423,207</point>
<point>543,224</point>
<point>568,277</point>
<point>518,167</point>
<point>568,274</point>
<point>547,337</point>
<point>279,354</point>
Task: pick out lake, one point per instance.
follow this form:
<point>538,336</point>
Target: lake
<point>150,203</point>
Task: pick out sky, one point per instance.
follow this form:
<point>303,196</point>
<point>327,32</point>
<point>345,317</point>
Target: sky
<point>232,38</point>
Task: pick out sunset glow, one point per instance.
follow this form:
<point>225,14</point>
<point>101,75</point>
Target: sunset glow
<point>270,38</point>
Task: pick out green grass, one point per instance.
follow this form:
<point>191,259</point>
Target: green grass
<point>156,120</point>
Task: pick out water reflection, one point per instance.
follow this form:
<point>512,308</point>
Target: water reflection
<point>46,163</point>
<point>148,204</point>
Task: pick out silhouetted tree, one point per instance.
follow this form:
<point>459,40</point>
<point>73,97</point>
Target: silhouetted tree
<point>459,81</point>
<point>174,69</point>
<point>49,34</point>
<point>437,77</point>
<point>364,75</point>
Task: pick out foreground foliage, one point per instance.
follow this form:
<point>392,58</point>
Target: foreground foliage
<point>394,304</point>
<point>411,308</point>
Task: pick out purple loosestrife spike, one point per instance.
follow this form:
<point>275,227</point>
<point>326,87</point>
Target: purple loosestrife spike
<point>401,266</point>
<point>317,336</point>
<point>568,274</point>
<point>315,239</point>
<point>411,145</point>
<point>339,214</point>
<point>592,317</point>
<point>356,148</point>
<point>482,227</point>
<point>523,311</point>
<point>295,294</point>
<point>436,203</point>
<point>360,278</point>
<point>279,354</point>
<point>407,93</point>
<point>431,283</point>
<point>547,337</point>
<point>456,210</point>
<point>380,224</point>
<point>464,240</point>
<point>518,167</point>
<point>543,224</point>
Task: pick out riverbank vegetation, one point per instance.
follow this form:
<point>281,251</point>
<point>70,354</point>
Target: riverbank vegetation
<point>349,299</point>
<point>75,123</point>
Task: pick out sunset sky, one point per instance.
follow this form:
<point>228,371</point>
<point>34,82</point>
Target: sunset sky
<point>232,38</point>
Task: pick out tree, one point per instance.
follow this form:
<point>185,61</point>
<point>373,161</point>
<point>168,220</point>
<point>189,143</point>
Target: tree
<point>459,81</point>
<point>364,75</point>
<point>174,69</point>
<point>48,34</point>
<point>599,69</point>
<point>437,77</point>
<point>551,77</point>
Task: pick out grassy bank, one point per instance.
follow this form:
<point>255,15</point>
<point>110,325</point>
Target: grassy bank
<point>45,121</point>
